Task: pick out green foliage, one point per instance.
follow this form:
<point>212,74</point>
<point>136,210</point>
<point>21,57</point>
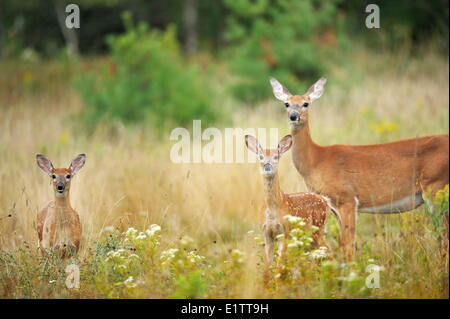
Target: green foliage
<point>288,39</point>
<point>147,80</point>
<point>190,287</point>
<point>435,208</point>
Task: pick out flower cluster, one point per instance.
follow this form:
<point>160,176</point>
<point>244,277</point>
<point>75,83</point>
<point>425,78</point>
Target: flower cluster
<point>319,253</point>
<point>143,240</point>
<point>299,237</point>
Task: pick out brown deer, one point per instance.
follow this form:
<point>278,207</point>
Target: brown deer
<point>58,224</point>
<point>313,208</point>
<point>380,178</point>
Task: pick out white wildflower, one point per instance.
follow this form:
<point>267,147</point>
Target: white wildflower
<point>129,282</point>
<point>168,255</point>
<point>319,253</point>
<point>131,232</point>
<point>141,236</point>
<point>153,230</point>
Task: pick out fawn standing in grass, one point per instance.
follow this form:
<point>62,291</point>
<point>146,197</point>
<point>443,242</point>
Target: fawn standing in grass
<point>58,224</point>
<point>313,208</point>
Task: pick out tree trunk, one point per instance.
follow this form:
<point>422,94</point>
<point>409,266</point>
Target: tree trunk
<point>190,26</point>
<point>70,35</point>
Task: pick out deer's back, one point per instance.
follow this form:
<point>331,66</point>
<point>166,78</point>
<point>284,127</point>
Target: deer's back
<point>312,207</point>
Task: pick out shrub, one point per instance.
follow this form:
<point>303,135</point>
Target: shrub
<point>146,80</point>
<point>288,39</point>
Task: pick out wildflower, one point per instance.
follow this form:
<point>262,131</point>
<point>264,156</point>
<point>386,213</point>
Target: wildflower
<point>295,243</point>
<point>442,195</point>
<point>194,258</point>
<point>168,255</point>
<point>238,256</point>
<point>131,232</point>
<point>129,282</point>
<point>153,230</point>
<point>141,236</point>
<point>319,253</point>
<point>52,281</point>
<point>294,220</point>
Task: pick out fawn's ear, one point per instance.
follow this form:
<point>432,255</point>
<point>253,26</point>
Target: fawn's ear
<point>77,163</point>
<point>285,144</point>
<point>317,89</point>
<point>279,90</point>
<point>44,163</point>
<point>252,144</point>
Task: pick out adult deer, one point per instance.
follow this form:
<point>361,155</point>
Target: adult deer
<point>58,224</point>
<point>379,178</point>
<point>312,207</point>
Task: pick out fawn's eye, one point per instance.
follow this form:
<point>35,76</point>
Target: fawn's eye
<point>287,104</point>
<point>305,104</point>
<point>275,157</point>
<point>261,157</point>
<point>68,176</point>
<point>53,176</point>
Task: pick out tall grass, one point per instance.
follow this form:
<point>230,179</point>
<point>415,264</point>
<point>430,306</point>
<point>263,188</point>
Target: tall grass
<point>129,181</point>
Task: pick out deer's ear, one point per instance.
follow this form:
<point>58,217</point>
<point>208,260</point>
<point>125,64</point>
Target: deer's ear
<point>279,90</point>
<point>77,163</point>
<point>317,89</point>
<point>252,144</point>
<point>285,144</point>
<point>44,163</point>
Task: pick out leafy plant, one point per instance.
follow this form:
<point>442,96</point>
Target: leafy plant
<point>146,80</point>
<point>288,39</point>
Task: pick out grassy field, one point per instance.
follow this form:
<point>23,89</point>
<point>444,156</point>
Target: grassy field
<point>209,245</point>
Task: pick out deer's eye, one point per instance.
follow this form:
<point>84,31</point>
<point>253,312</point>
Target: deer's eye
<point>305,104</point>
<point>53,176</point>
<point>68,176</point>
<point>261,157</point>
<point>287,104</point>
<point>275,157</point>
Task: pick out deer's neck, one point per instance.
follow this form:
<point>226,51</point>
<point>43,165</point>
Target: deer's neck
<point>273,195</point>
<point>304,150</point>
<point>62,203</point>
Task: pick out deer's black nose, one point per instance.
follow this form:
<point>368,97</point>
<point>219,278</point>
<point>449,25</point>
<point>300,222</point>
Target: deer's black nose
<point>60,187</point>
<point>267,167</point>
<point>293,116</point>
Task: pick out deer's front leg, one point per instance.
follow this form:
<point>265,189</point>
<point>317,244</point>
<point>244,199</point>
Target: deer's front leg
<point>282,246</point>
<point>268,254</point>
<point>348,232</point>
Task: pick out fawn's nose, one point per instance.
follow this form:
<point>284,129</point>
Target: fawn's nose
<point>60,187</point>
<point>267,167</point>
<point>293,116</point>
